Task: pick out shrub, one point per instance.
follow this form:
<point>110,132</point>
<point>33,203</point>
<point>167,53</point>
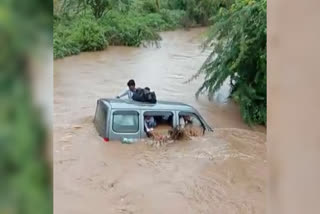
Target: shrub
<point>127,29</point>
<point>173,18</point>
<point>62,43</point>
<point>155,22</point>
<point>98,7</point>
<point>72,37</point>
<point>90,25</point>
<point>145,6</point>
<point>197,12</point>
<point>89,35</point>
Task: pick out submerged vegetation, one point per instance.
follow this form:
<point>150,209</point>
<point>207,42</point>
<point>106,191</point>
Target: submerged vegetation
<point>237,35</point>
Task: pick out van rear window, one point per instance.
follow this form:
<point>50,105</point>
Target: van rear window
<point>100,116</point>
<point>125,121</point>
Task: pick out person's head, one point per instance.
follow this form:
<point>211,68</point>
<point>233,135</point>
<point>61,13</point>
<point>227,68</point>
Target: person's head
<point>147,117</point>
<point>186,117</point>
<point>132,85</point>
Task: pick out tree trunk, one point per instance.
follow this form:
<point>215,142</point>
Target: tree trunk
<point>158,5</point>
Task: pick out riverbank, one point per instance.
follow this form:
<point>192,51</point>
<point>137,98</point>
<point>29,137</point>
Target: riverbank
<point>85,33</point>
<point>91,27</point>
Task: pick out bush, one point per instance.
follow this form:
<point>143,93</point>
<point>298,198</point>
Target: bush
<point>62,43</point>
<point>173,18</point>
<point>155,22</point>
<point>91,25</point>
<point>72,37</point>
<point>164,20</point>
<point>145,6</point>
<point>127,29</point>
<point>89,35</point>
<point>98,7</point>
<point>85,33</point>
<point>197,12</point>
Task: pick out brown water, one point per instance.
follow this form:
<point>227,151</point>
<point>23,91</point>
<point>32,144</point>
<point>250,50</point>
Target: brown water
<point>223,172</point>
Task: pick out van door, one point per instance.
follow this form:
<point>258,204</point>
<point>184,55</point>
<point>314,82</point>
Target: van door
<point>125,124</point>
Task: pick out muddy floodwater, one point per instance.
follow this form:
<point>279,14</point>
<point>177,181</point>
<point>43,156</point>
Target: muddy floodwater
<point>223,172</point>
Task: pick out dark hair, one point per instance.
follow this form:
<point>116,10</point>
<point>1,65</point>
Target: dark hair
<point>147,88</point>
<point>131,83</point>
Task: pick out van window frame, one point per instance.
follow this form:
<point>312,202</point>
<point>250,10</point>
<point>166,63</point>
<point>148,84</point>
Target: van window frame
<point>125,111</point>
<point>172,113</point>
<point>194,114</point>
<point>158,112</point>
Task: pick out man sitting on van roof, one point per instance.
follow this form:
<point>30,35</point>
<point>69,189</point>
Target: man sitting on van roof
<point>132,88</point>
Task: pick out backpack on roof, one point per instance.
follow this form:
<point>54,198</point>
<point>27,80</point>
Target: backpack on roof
<point>138,95</point>
<point>143,95</point>
<point>150,97</point>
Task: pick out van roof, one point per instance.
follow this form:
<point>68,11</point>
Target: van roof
<point>160,105</point>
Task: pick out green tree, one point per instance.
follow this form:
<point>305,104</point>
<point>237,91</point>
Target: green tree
<point>238,38</point>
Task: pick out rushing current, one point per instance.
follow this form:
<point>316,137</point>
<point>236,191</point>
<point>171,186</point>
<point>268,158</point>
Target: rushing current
<point>222,172</point>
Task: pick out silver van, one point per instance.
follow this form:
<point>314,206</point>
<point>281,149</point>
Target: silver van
<point>117,118</point>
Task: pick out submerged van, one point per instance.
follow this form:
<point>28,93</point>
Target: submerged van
<point>117,118</point>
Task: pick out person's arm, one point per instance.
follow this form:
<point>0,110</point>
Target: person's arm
<point>146,126</point>
<point>181,122</point>
<point>123,94</point>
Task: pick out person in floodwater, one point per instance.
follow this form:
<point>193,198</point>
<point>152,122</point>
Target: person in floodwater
<point>132,88</point>
<point>184,121</point>
<point>149,124</point>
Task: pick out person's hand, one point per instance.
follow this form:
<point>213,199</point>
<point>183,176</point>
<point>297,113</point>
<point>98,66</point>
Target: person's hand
<point>150,134</point>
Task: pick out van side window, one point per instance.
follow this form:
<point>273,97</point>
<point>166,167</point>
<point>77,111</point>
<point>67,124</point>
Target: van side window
<point>125,121</point>
<point>190,120</point>
<point>160,121</point>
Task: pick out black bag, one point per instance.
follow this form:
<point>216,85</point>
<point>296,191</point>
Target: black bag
<point>150,97</point>
<point>138,95</point>
<point>143,95</point>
